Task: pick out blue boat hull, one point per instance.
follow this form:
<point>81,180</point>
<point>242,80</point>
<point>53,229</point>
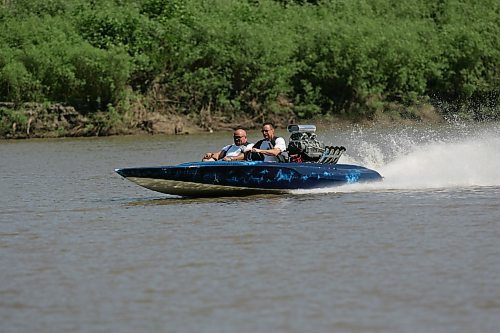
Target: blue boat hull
<point>198,179</point>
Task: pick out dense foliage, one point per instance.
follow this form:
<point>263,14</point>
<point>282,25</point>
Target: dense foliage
<point>252,56</point>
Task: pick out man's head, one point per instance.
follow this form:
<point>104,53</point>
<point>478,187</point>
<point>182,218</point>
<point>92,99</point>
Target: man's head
<point>268,131</point>
<point>239,137</point>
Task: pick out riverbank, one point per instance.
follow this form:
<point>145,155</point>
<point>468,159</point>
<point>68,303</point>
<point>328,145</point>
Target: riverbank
<point>33,120</point>
<point>213,65</point>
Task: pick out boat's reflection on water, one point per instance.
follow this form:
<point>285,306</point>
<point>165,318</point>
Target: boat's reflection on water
<point>268,198</point>
<point>178,200</point>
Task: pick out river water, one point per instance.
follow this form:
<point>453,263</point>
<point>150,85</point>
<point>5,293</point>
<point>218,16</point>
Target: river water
<point>83,250</point>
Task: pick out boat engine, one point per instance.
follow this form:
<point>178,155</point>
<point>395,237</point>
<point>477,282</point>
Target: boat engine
<point>303,142</point>
<point>304,146</point>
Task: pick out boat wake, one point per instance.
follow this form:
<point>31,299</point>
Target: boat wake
<point>429,162</point>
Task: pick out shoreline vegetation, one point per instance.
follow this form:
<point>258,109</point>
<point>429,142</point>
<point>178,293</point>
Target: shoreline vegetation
<point>113,67</point>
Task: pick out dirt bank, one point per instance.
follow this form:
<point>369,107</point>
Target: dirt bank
<point>33,120</point>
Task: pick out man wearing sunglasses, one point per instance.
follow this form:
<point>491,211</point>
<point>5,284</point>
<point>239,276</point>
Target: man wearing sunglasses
<point>232,152</point>
<point>268,149</point>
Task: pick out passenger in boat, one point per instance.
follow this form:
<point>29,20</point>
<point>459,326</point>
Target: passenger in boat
<point>234,152</point>
<point>269,149</point>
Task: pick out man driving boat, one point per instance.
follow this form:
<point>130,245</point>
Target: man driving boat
<point>268,149</point>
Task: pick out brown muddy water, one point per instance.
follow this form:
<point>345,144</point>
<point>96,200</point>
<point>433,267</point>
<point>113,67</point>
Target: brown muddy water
<point>83,250</point>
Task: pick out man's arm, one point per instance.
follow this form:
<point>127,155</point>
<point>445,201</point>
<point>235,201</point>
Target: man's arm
<point>280,147</point>
<point>210,155</point>
<point>241,156</point>
<point>217,155</point>
<point>269,152</point>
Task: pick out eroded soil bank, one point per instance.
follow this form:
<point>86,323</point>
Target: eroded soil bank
<point>57,120</point>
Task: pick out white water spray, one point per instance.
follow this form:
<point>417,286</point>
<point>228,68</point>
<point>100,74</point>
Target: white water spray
<point>428,160</point>
<point>442,165</point>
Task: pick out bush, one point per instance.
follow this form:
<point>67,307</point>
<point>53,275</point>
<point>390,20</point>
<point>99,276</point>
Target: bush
<point>53,63</point>
<point>249,57</point>
<point>11,121</point>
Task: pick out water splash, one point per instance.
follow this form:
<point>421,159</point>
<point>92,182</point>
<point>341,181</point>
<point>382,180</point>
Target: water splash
<point>441,165</point>
<point>423,158</point>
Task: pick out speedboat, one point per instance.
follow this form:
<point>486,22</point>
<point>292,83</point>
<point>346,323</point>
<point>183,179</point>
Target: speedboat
<point>309,165</point>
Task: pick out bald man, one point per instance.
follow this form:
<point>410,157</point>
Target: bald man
<point>232,152</point>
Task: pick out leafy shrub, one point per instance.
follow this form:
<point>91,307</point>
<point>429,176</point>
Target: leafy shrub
<point>11,121</point>
<point>54,63</point>
<point>246,56</point>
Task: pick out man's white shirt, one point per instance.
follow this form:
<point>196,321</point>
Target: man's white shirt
<point>234,150</point>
